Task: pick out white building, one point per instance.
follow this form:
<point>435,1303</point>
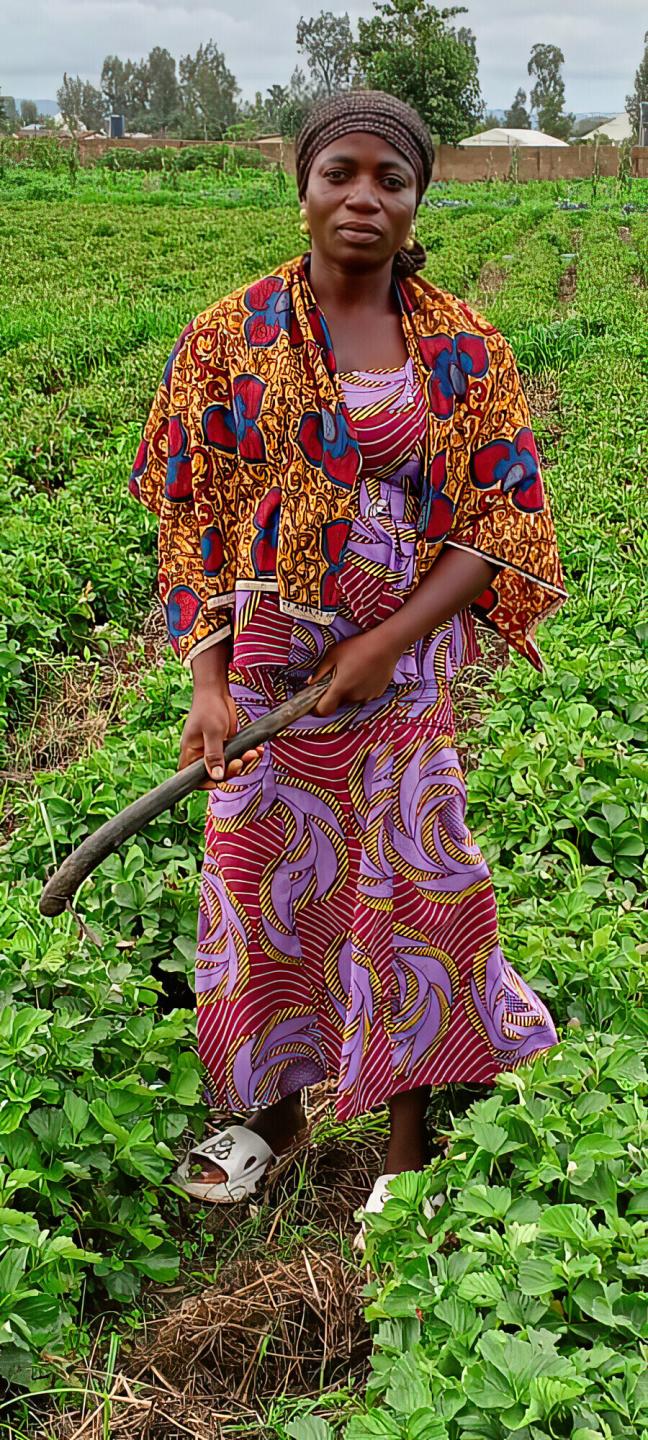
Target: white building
<point>500,135</point>
<point>618,129</point>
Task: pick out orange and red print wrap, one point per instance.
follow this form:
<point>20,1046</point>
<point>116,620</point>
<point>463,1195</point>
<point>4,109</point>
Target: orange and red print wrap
<point>250,459</point>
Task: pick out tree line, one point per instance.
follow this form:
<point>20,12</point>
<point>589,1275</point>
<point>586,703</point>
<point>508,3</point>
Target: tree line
<point>407,47</point>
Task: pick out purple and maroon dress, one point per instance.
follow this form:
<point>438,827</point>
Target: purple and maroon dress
<point>347,925</point>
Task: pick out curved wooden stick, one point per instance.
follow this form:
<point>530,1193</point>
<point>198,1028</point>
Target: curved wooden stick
<point>61,887</point>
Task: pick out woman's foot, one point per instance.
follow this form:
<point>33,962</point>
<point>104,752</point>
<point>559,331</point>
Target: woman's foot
<point>280,1125</point>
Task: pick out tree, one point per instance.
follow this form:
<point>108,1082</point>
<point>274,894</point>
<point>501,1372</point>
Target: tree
<point>326,42</point>
<point>81,103</point>
<point>8,114</point>
<point>412,50</point>
<point>518,118</point>
<point>93,109</point>
<point>209,91</point>
<point>28,112</point>
<point>126,88</point>
<point>70,100</point>
<point>640,91</point>
<point>300,97</point>
<point>548,94</point>
<point>163,89</point>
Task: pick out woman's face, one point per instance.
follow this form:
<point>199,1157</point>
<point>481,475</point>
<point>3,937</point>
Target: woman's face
<point>360,201</point>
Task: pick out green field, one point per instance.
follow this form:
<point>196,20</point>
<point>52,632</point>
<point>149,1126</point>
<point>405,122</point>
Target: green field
<point>520,1308</point>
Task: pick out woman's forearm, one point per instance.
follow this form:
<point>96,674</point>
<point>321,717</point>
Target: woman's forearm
<point>209,669</point>
<point>456,579</point>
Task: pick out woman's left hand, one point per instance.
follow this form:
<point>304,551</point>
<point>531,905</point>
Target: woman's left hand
<point>364,666</point>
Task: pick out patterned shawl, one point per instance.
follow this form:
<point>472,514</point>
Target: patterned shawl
<point>250,460</point>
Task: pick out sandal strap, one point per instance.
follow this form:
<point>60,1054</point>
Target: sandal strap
<point>232,1148</point>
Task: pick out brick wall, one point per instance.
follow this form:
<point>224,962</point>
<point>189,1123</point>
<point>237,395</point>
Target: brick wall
<point>476,162</point>
<point>576,162</point>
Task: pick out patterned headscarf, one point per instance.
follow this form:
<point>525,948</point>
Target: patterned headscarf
<point>374,113</point>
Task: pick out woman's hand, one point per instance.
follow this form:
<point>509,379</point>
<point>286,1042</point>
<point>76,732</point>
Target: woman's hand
<point>210,722</point>
<point>364,667</point>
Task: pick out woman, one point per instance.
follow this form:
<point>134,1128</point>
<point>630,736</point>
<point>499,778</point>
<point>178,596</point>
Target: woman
<point>341,460</point>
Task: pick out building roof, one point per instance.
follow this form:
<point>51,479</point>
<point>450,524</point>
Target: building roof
<point>617,129</point>
<point>502,135</point>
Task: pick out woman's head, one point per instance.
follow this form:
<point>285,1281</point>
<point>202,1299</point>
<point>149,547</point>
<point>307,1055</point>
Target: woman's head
<point>363,162</point>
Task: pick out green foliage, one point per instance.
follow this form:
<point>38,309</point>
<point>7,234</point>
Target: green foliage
<point>209,93</point>
<point>326,41</point>
<point>412,50</point>
<point>516,1309</point>
<point>518,117</point>
<point>548,92</point>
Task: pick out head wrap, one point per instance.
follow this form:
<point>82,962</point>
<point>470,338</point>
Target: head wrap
<point>375,113</point>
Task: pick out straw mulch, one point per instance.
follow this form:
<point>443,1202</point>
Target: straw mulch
<point>293,1327</point>
<point>279,1322</point>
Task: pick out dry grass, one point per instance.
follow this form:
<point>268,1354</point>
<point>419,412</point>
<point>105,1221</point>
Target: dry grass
<point>277,1329</point>
<point>491,279</point>
<point>76,709</point>
<point>283,1318</point>
<point>567,287</point>
<point>542,394</point>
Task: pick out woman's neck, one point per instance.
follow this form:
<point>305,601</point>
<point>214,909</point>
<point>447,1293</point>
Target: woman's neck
<point>336,289</point>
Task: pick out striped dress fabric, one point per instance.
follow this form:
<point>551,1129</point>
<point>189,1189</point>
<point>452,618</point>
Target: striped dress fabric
<point>347,923</point>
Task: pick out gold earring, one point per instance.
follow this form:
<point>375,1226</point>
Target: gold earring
<point>411,239</point>
<point>304,228</point>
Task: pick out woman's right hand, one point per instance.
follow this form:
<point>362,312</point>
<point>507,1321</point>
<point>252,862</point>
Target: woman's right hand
<point>210,722</point>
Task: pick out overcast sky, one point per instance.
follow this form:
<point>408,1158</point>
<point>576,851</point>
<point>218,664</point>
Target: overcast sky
<point>602,41</point>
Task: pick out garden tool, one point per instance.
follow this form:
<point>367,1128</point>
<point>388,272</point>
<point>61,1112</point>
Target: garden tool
<point>58,893</point>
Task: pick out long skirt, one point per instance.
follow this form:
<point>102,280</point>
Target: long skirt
<point>348,926</point>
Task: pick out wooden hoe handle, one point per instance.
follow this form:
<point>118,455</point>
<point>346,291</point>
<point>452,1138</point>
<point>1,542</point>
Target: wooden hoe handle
<point>63,885</point>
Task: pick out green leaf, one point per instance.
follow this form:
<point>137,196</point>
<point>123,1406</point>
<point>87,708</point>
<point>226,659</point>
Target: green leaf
<point>520,1360</point>
<point>426,1425</point>
<point>461,1319</point>
<point>492,1138</point>
<point>483,1288</point>
<point>409,1388</point>
<point>12,1268</point>
<point>161,1264</point>
<point>596,1146</point>
<point>77,1111</point>
<point>537,1277</point>
<point>521,1311</point>
<point>373,1425</point>
<point>487,1200</point>
<point>14,1225</point>
<point>105,1118</point>
<point>567,1222</point>
<point>186,1079</point>
<point>547,1394</point>
<point>614,814</point>
<point>486,1390</point>
<point>309,1427</point>
<point>41,1315</point>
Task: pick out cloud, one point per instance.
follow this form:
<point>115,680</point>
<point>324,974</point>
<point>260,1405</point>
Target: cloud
<point>602,47</point>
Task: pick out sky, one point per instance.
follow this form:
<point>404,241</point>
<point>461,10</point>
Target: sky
<point>602,41</point>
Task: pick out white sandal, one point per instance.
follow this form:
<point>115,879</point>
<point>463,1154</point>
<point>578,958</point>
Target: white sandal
<point>378,1198</point>
<point>240,1153</point>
